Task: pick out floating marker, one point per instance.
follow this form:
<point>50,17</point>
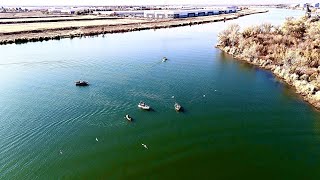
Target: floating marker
<point>145,146</point>
<point>60,152</point>
<point>97,139</point>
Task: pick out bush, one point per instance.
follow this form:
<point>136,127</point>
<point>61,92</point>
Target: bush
<point>229,36</point>
<point>294,45</point>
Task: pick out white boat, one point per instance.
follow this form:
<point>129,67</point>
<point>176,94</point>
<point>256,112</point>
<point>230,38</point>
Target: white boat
<point>177,107</point>
<point>143,105</point>
<point>164,59</point>
<point>128,117</point>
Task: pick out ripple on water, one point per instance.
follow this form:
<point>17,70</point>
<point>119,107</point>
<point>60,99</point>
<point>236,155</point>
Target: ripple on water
<point>42,112</point>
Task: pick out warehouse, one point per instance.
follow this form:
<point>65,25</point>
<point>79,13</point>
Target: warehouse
<point>159,14</point>
<point>121,13</point>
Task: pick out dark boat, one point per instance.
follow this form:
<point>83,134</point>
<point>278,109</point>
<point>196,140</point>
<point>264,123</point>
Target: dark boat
<point>82,83</point>
<point>164,59</point>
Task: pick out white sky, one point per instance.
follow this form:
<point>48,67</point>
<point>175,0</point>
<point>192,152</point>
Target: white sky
<point>143,2</point>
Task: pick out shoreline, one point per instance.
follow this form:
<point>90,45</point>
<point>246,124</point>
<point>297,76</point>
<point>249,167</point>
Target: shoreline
<point>307,91</point>
<point>20,37</point>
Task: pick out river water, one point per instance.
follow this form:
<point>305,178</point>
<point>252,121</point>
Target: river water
<point>239,122</point>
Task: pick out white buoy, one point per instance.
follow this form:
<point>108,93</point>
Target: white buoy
<point>60,152</point>
<point>172,97</point>
<point>215,90</point>
<point>145,146</point>
<point>97,139</point>
<point>204,95</point>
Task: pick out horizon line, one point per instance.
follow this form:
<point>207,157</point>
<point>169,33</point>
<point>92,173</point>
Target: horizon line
<point>150,4</point>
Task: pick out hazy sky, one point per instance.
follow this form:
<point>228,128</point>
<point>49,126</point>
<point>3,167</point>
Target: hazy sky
<point>145,2</point>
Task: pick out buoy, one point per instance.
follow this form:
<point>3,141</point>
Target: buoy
<point>204,95</point>
<point>97,139</point>
<point>60,152</point>
<point>145,146</point>
<point>172,97</point>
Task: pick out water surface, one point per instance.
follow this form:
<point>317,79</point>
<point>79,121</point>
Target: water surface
<point>239,121</point>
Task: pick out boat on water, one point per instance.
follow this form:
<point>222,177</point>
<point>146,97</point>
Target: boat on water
<point>143,106</point>
<point>177,107</point>
<point>164,59</point>
<point>82,83</point>
<point>128,117</point>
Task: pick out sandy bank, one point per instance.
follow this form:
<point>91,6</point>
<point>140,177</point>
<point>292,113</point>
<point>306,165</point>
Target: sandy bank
<point>55,19</point>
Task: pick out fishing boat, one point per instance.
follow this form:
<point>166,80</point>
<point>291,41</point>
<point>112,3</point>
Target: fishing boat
<point>164,59</point>
<point>177,107</point>
<point>143,106</point>
<point>82,83</point>
<point>128,117</point>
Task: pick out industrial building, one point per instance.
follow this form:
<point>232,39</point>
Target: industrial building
<point>121,13</point>
<point>184,13</point>
<point>316,5</point>
<point>172,13</point>
<point>304,5</point>
<point>62,10</point>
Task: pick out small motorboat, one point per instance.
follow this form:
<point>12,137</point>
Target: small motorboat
<point>177,107</point>
<point>143,106</point>
<point>82,83</point>
<point>128,117</point>
<point>164,59</point>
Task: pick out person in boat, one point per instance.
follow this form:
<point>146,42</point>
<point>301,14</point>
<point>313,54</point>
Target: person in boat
<point>177,107</point>
<point>128,117</point>
<point>81,83</point>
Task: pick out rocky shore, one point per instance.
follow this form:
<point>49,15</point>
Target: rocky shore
<point>302,84</point>
<point>19,37</point>
<point>296,63</point>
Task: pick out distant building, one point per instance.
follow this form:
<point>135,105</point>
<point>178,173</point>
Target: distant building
<point>68,11</point>
<point>170,13</point>
<point>54,10</point>
<point>58,10</point>
<point>120,13</point>
<point>316,5</point>
<point>303,5</point>
<point>185,13</point>
<point>294,5</point>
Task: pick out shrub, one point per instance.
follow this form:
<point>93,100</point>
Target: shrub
<point>294,27</point>
<point>296,44</point>
<point>229,36</point>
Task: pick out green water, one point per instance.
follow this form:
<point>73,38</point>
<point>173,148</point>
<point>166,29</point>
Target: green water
<point>247,126</point>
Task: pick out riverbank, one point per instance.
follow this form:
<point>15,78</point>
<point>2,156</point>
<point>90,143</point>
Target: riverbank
<point>291,52</point>
<point>54,19</point>
<point>78,29</point>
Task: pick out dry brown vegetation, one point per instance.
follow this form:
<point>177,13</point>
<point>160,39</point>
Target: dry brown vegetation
<point>297,42</point>
<point>291,51</point>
